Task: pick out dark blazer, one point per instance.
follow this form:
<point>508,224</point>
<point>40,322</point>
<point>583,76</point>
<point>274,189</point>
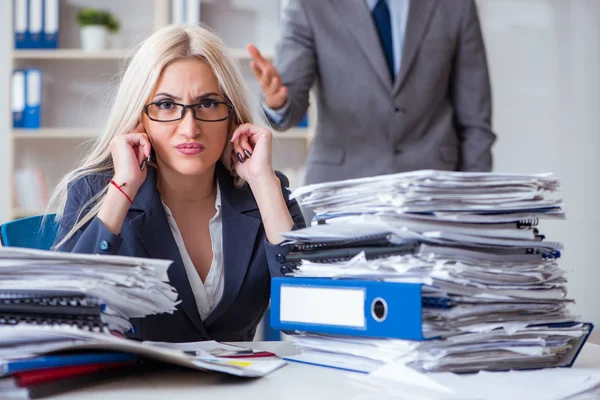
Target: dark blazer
<point>249,260</point>
<point>436,114</point>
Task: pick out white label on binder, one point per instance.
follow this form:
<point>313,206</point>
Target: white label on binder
<point>193,12</point>
<point>20,16</point>
<point>18,91</point>
<point>177,12</point>
<point>35,16</point>
<point>323,306</point>
<point>34,87</point>
<point>51,16</point>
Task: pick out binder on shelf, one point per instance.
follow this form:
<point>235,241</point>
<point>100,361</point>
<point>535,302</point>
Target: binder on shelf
<point>186,12</point>
<point>33,98</point>
<point>193,12</point>
<point>18,98</point>
<point>51,24</point>
<point>178,12</point>
<point>348,307</point>
<point>20,23</point>
<point>36,24</point>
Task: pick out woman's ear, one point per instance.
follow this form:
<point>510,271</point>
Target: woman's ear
<point>143,121</point>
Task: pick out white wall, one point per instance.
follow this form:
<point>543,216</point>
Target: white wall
<point>544,58</point>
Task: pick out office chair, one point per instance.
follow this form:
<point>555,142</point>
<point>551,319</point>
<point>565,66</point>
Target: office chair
<point>29,232</point>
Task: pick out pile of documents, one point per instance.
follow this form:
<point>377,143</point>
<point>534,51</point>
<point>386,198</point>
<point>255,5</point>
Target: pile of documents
<point>116,288</point>
<point>491,294</point>
<point>62,315</point>
<point>80,358</point>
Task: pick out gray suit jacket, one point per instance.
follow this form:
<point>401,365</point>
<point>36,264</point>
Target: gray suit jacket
<point>437,113</point>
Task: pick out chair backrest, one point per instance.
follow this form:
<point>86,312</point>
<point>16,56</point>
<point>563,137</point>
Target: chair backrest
<point>29,232</point>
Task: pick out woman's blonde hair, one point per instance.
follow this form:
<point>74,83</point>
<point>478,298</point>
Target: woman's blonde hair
<point>137,85</point>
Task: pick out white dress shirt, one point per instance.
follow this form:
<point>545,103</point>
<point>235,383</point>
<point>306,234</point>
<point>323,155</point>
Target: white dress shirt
<point>207,293</point>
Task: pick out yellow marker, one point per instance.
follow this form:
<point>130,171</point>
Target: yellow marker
<point>240,363</point>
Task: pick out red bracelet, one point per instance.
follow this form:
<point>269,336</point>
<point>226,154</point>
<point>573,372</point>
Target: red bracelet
<point>121,190</point>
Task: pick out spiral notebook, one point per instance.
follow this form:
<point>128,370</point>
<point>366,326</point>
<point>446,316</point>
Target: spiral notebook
<point>327,254</point>
<point>50,308</point>
<point>378,239</point>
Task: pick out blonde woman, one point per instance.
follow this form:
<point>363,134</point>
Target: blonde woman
<point>208,198</point>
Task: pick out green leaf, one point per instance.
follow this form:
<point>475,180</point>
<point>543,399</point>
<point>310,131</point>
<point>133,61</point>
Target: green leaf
<point>93,16</point>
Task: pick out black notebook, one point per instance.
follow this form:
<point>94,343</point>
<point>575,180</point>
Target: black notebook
<point>382,239</point>
<point>325,255</point>
<point>50,308</point>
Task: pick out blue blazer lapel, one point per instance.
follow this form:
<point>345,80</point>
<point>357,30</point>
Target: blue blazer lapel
<point>152,229</point>
<point>239,237</point>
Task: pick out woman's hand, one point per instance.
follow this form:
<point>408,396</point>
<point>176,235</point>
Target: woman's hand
<point>252,148</point>
<point>252,161</point>
<point>128,152</point>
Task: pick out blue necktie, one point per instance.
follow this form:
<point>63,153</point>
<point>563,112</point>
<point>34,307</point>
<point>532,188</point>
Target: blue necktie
<point>383,22</point>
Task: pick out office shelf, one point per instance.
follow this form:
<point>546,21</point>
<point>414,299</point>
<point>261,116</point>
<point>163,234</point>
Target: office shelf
<point>86,133</point>
<point>114,54</point>
<point>54,133</point>
<point>70,54</point>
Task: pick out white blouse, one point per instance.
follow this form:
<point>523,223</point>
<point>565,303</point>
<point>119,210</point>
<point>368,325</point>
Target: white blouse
<point>209,293</point>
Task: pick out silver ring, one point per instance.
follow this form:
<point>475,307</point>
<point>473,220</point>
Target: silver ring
<point>385,309</point>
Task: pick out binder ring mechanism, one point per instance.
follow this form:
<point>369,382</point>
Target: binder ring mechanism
<point>379,309</point>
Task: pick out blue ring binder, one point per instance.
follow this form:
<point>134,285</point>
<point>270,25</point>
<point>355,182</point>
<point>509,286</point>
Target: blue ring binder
<point>403,318</point>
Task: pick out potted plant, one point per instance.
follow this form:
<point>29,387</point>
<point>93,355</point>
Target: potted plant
<point>95,26</point>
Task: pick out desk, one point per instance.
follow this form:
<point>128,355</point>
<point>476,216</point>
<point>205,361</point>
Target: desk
<point>293,381</point>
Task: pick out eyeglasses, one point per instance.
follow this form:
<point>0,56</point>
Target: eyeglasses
<point>207,110</point>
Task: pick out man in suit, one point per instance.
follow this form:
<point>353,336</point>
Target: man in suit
<point>400,85</point>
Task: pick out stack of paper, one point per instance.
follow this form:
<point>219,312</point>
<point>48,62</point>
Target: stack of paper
<point>496,297</point>
<point>126,287</point>
<point>57,311</point>
<point>40,361</point>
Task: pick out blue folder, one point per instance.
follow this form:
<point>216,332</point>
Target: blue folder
<point>20,23</point>
<point>347,307</point>
<point>51,24</point>
<point>18,98</point>
<point>35,22</point>
<point>66,360</point>
<point>33,98</point>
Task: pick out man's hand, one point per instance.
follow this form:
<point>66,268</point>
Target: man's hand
<point>274,93</point>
